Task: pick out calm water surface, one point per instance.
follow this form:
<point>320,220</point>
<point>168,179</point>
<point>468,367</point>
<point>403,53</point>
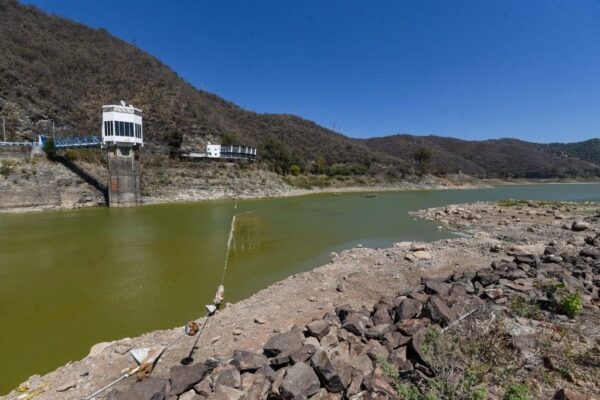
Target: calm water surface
<point>70,279</point>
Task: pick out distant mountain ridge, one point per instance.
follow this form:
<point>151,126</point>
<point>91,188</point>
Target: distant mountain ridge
<point>52,68</point>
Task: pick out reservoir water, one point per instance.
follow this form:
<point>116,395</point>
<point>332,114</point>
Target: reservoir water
<point>69,279</point>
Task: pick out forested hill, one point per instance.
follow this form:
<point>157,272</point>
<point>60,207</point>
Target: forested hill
<point>504,158</point>
<point>52,68</point>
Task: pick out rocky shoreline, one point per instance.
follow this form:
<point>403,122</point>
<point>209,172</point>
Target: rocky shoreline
<point>391,323</point>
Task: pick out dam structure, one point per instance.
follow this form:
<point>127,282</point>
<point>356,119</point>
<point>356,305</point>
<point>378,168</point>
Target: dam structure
<point>123,137</point>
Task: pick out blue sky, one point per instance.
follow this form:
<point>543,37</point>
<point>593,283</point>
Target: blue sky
<point>469,69</point>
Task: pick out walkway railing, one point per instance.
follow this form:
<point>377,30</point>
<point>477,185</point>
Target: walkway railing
<point>78,142</point>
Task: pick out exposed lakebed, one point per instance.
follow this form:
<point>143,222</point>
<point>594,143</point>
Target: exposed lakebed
<point>70,279</point>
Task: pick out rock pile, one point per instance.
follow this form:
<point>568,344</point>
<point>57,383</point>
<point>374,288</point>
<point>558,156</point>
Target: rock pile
<point>348,353</point>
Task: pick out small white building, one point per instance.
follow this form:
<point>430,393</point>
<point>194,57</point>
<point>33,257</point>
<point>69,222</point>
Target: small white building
<point>213,150</point>
<point>122,124</point>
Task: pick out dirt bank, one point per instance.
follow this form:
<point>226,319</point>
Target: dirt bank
<point>38,184</point>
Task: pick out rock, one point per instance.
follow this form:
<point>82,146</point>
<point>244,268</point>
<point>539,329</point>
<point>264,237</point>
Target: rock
<point>382,316</point>
<point>494,293</point>
<point>525,259</point>
<point>334,374</point>
<point>66,386</point>
<point>303,353</point>
<point>375,383</point>
<point>259,389</point>
<point>184,377</point>
<point>204,387</point>
<point>356,323</point>
<point>259,321</point>
<point>410,326</point>
<point>375,350</point>
<point>362,363</point>
<point>189,395</point>
<point>300,381</point>
<point>419,296</point>
<point>419,246</point>
<point>526,344</point>
<point>318,328</point>
<point>438,310</point>
<point>331,339</point>
<point>568,394</point>
<point>377,332</point>
<point>223,392</point>
<point>422,255</point>
<point>579,226</point>
<point>283,342</point>
<point>247,361</point>
<point>227,375</point>
<point>237,332</point>
<point>343,311</point>
<point>409,308</point>
<point>549,362</point>
<point>395,339</point>
<point>435,286</point>
<point>150,388</point>
<point>487,277</point>
<point>98,349</point>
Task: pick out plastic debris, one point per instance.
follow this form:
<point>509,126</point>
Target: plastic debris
<point>219,295</point>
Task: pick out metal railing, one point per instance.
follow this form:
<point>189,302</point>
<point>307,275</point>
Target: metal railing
<point>17,144</point>
<point>78,142</point>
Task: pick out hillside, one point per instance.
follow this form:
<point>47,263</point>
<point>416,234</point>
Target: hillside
<point>55,69</point>
<point>502,158</point>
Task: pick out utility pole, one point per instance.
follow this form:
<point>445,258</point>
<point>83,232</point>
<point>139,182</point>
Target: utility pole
<point>53,135</point>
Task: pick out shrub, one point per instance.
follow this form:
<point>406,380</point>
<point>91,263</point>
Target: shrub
<point>5,168</point>
<point>50,149</point>
<point>408,392</point>
<point>295,170</point>
<point>524,308</point>
<point>517,391</point>
<point>571,304</point>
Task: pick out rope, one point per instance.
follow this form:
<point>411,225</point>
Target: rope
<point>206,317</point>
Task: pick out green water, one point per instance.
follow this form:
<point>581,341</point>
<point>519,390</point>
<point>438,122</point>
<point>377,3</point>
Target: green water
<point>70,279</point>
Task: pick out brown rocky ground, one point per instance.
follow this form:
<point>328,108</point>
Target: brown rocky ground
<point>361,278</point>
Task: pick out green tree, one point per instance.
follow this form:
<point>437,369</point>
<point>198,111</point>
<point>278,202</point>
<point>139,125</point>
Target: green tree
<point>50,149</point>
<point>320,167</point>
<point>229,139</point>
<point>295,170</point>
<point>278,155</point>
<point>422,156</point>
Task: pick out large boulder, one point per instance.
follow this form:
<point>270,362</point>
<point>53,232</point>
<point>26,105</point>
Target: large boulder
<point>409,308</point>
<point>149,389</point>
<point>227,375</point>
<point>247,361</point>
<point>579,226</point>
<point>356,323</point>
<point>334,373</point>
<point>259,388</point>
<point>438,310</point>
<point>283,342</point>
<point>409,327</point>
<point>375,383</point>
<point>184,377</point>
<point>299,382</point>
<point>437,286</point>
<point>318,328</point>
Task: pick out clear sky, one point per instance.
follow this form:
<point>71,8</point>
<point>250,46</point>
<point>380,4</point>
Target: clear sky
<point>469,69</point>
